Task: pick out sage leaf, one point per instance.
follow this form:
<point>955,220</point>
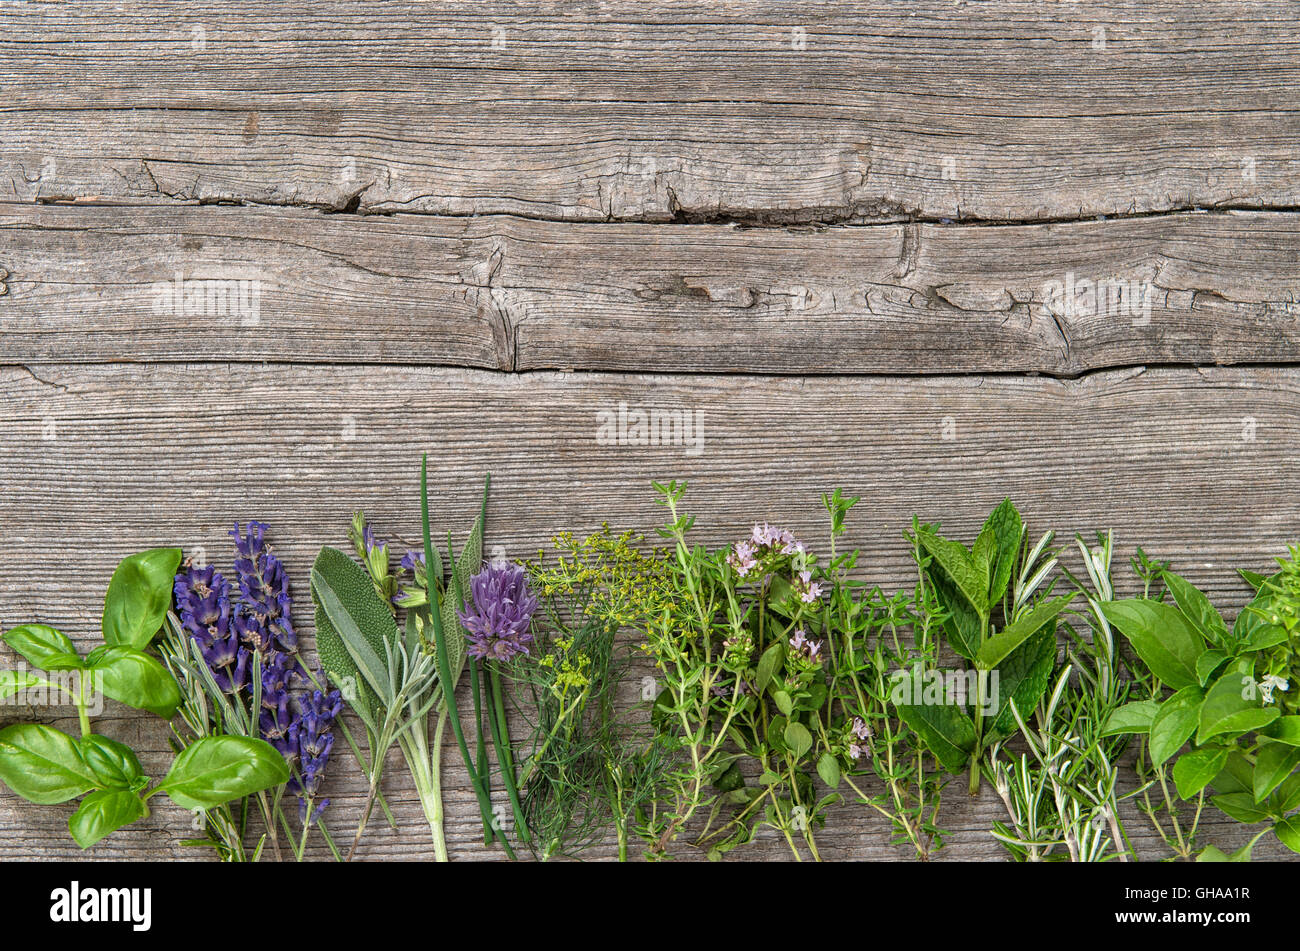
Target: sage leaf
<point>139,596</point>
<point>102,812</point>
<point>1162,637</point>
<point>363,624</point>
<point>39,644</point>
<point>217,769</point>
<point>42,764</point>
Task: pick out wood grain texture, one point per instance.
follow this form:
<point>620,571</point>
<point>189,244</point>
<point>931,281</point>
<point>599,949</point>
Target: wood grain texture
<point>1006,110</point>
<point>508,293</point>
<point>99,461</point>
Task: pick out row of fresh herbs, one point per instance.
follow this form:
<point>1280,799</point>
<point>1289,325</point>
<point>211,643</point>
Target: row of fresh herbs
<point>671,692</point>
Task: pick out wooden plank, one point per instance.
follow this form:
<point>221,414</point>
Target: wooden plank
<point>97,284</point>
<point>1005,110</point>
<point>99,461</point>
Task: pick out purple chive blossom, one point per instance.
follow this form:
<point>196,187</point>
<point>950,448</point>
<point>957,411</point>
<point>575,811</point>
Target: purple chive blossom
<point>264,584</point>
<point>503,608</point>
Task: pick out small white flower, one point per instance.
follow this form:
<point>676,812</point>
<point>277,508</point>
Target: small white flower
<point>1270,683</point>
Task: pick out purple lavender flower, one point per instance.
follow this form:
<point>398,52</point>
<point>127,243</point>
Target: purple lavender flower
<point>295,720</point>
<point>503,608</point>
<point>203,603</point>
<point>264,584</point>
<point>315,737</point>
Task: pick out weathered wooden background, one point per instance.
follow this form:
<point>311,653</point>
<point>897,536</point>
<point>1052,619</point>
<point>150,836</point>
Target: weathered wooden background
<point>474,226</point>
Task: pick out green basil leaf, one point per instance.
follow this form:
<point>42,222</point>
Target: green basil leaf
<point>1287,796</point>
<point>1208,664</point>
<point>1227,710</point>
<point>103,812</point>
<point>135,678</point>
<point>1237,775</point>
<point>1288,832</point>
<point>1240,806</point>
<point>16,681</point>
<point>1255,629</point>
<point>138,597</point>
<point>797,739</point>
<point>39,643</point>
<point>1252,578</point>
<point>1133,717</point>
<point>993,651</point>
<point>1273,765</point>
<point>42,764</point>
<point>1175,723</point>
<point>1194,770</point>
<point>218,769</point>
<point>1196,607</point>
<point>1283,730</point>
<point>114,764</point>
<point>1162,637</point>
